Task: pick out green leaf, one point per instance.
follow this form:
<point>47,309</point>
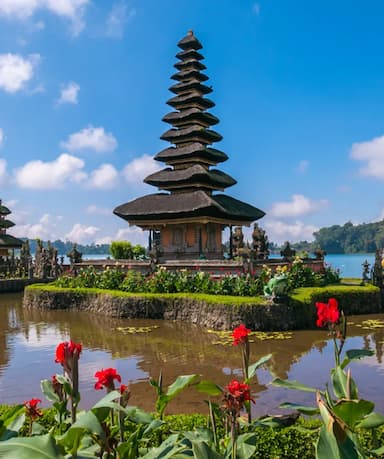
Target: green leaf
<point>292,385</point>
<point>246,445</point>
<point>13,428</point>
<point>47,390</point>
<point>202,451</point>
<point>372,421</point>
<point>352,411</point>
<point>308,410</point>
<point>138,416</point>
<point>326,445</point>
<point>87,423</point>
<point>355,354</point>
<point>179,384</point>
<point>43,447</point>
<point>343,386</point>
<point>166,450</point>
<point>252,368</point>
<point>209,387</point>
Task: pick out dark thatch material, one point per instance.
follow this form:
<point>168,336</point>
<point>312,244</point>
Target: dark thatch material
<point>188,74</point>
<point>162,206</point>
<point>9,242</point>
<point>193,150</point>
<point>188,86</point>
<point>4,210</point>
<point>172,179</point>
<point>192,99</point>
<point>189,42</point>
<point>4,224</point>
<point>192,115</point>
<point>194,133</point>
<point>189,54</point>
<point>190,64</point>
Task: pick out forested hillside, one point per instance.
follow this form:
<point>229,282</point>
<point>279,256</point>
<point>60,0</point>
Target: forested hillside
<point>348,238</point>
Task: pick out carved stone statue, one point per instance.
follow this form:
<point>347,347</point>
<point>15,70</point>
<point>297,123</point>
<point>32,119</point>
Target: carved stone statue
<point>377,272</point>
<point>259,243</point>
<point>74,255</point>
<point>287,252</point>
<point>237,241</point>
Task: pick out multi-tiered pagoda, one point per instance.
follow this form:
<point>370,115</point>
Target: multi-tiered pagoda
<point>187,219</point>
<point>7,241</point>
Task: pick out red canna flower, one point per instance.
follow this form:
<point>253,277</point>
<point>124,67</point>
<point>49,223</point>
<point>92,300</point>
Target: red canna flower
<point>240,334</point>
<point>238,390</point>
<point>327,313</point>
<point>105,379</point>
<point>67,349</point>
<point>31,409</point>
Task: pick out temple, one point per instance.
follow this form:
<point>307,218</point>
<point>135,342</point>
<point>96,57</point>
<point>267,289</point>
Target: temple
<point>7,242</point>
<point>186,219</point>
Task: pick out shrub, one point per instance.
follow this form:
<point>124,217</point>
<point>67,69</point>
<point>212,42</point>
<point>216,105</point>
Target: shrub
<point>124,250</point>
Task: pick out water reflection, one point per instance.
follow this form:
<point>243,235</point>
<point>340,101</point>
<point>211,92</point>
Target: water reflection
<point>28,340</point>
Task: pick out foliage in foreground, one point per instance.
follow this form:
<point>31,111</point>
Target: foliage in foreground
<point>183,281</point>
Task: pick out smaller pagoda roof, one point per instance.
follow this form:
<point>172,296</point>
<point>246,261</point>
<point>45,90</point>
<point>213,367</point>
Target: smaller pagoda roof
<point>194,133</point>
<point>190,42</point>
<point>6,224</point>
<point>191,115</point>
<point>189,54</point>
<point>190,64</point>
<point>196,175</point>
<point>188,74</point>
<point>4,210</point>
<point>189,85</point>
<point>9,242</point>
<point>193,150</point>
<point>192,99</point>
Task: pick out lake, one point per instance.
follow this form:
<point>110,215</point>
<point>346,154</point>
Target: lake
<point>28,340</point>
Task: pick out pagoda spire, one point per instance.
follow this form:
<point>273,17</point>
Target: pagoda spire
<point>191,156</point>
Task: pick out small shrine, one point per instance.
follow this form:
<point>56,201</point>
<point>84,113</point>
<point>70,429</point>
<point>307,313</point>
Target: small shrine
<point>186,218</point>
<point>7,242</point>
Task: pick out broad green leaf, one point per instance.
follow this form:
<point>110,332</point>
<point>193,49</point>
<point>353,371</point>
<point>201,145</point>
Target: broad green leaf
<point>209,387</point>
<point>246,445</point>
<point>326,445</point>
<point>308,410</point>
<point>11,422</point>
<point>252,368</point>
<point>355,354</point>
<point>13,428</point>
<point>179,384</point>
<point>138,416</point>
<point>343,386</point>
<point>379,451</point>
<point>47,390</point>
<point>352,411</point>
<point>166,450</point>
<point>200,434</point>
<point>43,447</point>
<point>292,385</point>
<point>87,423</point>
<point>202,451</point>
<point>372,421</point>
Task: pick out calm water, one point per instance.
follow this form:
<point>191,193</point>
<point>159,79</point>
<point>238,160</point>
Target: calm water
<point>350,265</point>
<point>29,338</point>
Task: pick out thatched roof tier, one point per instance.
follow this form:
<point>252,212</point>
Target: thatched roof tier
<point>185,87</point>
<point>189,42</point>
<point>190,64</point>
<point>194,133</point>
<point>5,224</point>
<point>189,54</point>
<point>4,210</point>
<point>191,116</point>
<point>9,242</point>
<point>197,205</point>
<point>195,176</point>
<point>188,74</point>
<point>197,151</point>
<point>192,99</point>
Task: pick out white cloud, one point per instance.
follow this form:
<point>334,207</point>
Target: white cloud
<point>135,171</point>
<point>300,205</point>
<point>91,138</point>
<point>132,234</point>
<point>106,176</point>
<point>117,18</point>
<point>82,234</point>
<point>69,93</point>
<point>372,152</point>
<point>41,175</point>
<point>72,10</point>
<point>97,210</point>
<point>279,231</point>
<point>302,167</point>
<point>46,228</point>
<point>16,71</point>
<point>3,172</point>
<point>1,137</point>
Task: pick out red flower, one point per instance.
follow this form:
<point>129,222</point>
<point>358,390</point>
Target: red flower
<point>327,313</point>
<point>105,379</point>
<point>31,409</point>
<point>238,390</point>
<point>240,334</point>
<point>65,350</point>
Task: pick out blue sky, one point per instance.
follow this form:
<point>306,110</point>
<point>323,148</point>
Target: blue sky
<point>298,87</point>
